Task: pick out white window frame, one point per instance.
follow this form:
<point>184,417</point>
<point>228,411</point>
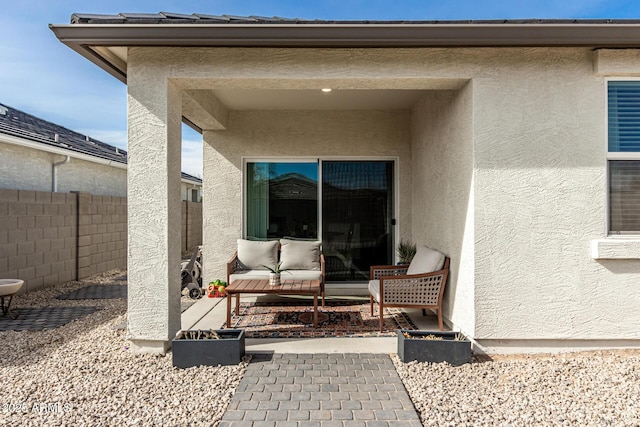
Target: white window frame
<point>612,156</point>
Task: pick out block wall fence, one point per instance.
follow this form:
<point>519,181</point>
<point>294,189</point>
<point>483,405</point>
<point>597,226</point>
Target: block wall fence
<point>51,238</point>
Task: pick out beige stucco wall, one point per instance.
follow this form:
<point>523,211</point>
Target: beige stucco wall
<point>154,135</point>
<point>292,134</point>
<point>29,169</point>
<point>538,181</point>
<point>540,197</point>
<point>442,196</point>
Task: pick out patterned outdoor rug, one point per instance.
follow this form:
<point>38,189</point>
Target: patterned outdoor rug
<point>97,292</point>
<point>37,319</point>
<point>336,319</point>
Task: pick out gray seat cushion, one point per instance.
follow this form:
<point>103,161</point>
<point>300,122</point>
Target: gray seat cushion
<point>255,254</point>
<point>286,275</point>
<point>374,289</point>
<point>300,255</point>
<point>249,275</point>
<point>426,260</point>
<point>302,275</point>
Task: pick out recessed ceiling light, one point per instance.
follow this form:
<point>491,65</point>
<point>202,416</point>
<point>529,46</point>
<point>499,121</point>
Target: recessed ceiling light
<point>326,89</point>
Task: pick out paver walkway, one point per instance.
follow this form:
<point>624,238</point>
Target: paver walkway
<point>321,390</point>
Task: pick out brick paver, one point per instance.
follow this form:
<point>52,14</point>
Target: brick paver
<point>322,390</point>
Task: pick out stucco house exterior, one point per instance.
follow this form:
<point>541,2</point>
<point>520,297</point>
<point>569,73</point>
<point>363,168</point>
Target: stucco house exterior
<point>39,155</point>
<point>508,145</point>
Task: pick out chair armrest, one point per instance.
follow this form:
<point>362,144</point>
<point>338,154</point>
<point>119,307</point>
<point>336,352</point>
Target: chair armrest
<point>232,266</point>
<point>377,271</point>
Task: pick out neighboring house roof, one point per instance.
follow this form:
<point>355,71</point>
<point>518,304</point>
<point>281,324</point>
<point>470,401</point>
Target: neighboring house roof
<point>25,126</point>
<point>102,38</point>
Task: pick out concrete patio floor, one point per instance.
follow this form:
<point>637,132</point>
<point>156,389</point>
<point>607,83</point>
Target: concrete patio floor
<point>210,313</point>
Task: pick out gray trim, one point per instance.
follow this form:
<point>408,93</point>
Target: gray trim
<point>321,34</point>
<point>355,35</point>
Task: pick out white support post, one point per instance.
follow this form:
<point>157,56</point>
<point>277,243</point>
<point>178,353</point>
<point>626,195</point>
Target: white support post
<point>154,116</point>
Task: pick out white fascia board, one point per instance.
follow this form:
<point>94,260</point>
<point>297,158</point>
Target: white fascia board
<point>188,181</point>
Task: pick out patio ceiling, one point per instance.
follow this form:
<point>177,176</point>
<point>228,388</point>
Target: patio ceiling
<point>307,99</point>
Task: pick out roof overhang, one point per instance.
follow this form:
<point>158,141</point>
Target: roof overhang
<point>94,41</point>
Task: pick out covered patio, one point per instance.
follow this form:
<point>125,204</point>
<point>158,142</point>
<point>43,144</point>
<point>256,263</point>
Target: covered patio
<point>494,134</point>
<point>277,112</point>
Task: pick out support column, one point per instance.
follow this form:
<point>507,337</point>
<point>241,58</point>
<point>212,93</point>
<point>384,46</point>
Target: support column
<point>154,211</point>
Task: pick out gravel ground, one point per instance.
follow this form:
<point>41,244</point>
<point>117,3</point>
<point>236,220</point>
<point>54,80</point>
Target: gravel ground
<point>83,374</point>
<point>578,389</point>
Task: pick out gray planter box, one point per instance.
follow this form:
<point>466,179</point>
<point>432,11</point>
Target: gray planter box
<point>446,350</point>
<point>229,350</point>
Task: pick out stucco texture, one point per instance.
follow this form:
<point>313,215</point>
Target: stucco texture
<point>501,165</point>
<point>154,113</point>
<point>28,169</point>
<point>540,198</point>
<point>442,194</point>
<point>285,135</point>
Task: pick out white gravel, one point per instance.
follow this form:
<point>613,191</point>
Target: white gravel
<point>83,374</point>
<point>579,389</point>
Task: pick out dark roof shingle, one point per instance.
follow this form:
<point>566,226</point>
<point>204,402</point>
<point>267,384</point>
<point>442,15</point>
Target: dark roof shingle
<point>18,123</point>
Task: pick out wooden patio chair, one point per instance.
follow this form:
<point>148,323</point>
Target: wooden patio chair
<point>391,286</point>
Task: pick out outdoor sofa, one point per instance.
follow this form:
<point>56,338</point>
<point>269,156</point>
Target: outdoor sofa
<point>301,260</point>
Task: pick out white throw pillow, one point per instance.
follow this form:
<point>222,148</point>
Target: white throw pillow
<point>299,254</point>
<point>426,260</point>
<point>255,254</point>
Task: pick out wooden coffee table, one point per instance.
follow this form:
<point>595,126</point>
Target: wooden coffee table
<point>287,287</point>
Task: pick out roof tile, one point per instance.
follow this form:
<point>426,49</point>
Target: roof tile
<point>200,18</point>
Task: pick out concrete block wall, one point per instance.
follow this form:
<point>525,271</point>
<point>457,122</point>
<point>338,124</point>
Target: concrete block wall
<point>191,226</point>
<point>102,234</point>
<point>51,238</point>
<point>38,233</point>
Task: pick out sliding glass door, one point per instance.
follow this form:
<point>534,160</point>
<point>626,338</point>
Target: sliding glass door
<point>357,217</point>
<point>347,204</point>
<point>282,200</point>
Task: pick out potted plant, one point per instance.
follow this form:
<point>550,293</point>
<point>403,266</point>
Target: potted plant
<point>406,252</point>
<point>274,274</point>
<point>208,348</point>
<point>425,346</point>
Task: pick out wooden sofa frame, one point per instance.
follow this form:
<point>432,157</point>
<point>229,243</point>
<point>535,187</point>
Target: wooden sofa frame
<point>233,265</point>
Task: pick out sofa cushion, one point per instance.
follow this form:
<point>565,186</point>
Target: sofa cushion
<point>255,255</point>
<point>426,260</point>
<point>299,255</point>
<point>286,275</point>
<point>374,289</point>
<point>249,275</point>
<point>302,275</point>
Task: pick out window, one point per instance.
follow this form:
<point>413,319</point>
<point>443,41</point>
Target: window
<point>282,200</point>
<point>623,156</point>
<point>194,194</point>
